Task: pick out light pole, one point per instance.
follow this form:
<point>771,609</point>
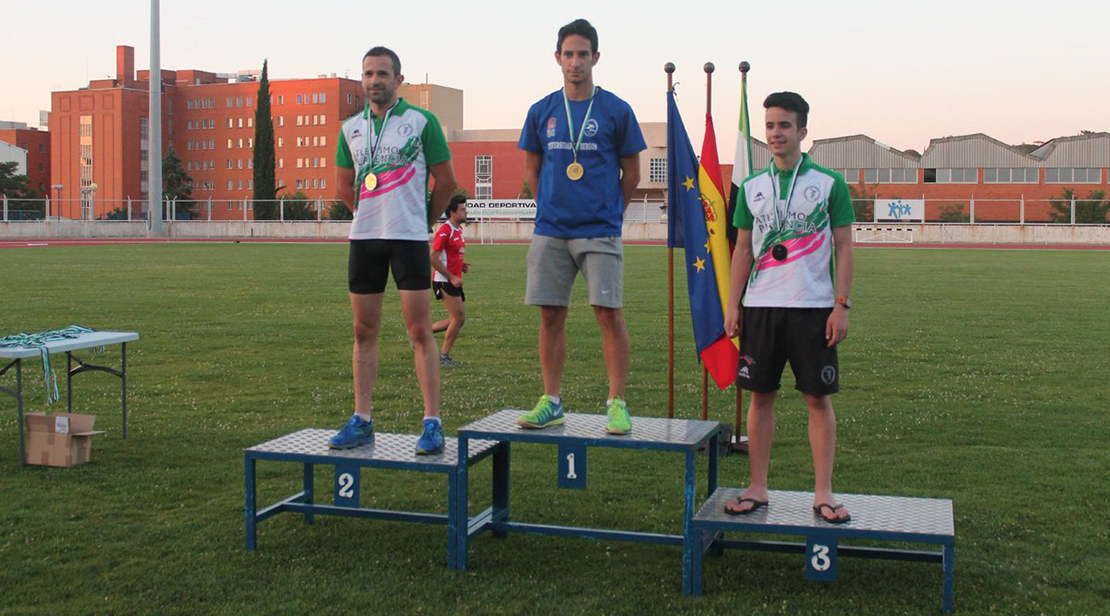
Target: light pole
<point>87,195</point>
<point>57,199</point>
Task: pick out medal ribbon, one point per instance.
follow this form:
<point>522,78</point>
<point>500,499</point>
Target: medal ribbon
<point>570,122</point>
<point>371,151</point>
<point>779,222</point>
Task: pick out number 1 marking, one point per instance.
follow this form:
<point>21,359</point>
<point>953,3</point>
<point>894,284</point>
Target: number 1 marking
<point>570,467</point>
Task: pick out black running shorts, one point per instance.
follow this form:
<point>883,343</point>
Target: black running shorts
<point>370,261</point>
<point>773,336</point>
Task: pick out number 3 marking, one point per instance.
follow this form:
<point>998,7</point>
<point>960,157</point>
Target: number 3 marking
<point>820,560</point>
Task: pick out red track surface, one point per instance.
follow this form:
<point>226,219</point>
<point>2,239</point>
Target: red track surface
<point>40,243</point>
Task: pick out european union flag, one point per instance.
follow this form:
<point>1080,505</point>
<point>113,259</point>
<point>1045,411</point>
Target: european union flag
<point>686,228</point>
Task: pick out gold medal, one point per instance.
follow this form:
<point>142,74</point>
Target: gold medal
<point>371,181</point>
<point>575,171</point>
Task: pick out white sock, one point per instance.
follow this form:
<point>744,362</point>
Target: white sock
<point>435,419</point>
<point>363,416</point>
<point>555,399</point>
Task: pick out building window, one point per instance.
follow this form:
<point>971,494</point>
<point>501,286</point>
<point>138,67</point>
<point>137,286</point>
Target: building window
<point>323,162</point>
<point>281,142</point>
<point>281,163</point>
<point>350,98</point>
<point>323,140</point>
<point>239,163</point>
<point>1072,175</point>
<point>299,99</point>
<point>951,176</point>
<point>249,102</point>
<point>298,120</point>
<point>300,163</point>
<point>483,177</point>
<point>1018,175</point>
<point>281,99</point>
<point>851,176</point>
<point>890,176</point>
<point>211,144</point>
<point>229,103</point>
<point>323,119</point>
<point>239,101</point>
<point>281,120</point>
<point>323,182</point>
<point>299,184</point>
<point>240,184</point>
<point>657,170</point>
<point>250,142</point>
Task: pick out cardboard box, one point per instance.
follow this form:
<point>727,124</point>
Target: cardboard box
<point>61,439</point>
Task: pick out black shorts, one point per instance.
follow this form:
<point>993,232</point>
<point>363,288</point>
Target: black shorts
<point>370,261</point>
<point>773,336</point>
<point>439,288</point>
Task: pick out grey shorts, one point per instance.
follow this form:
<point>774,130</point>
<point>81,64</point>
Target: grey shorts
<point>553,264</point>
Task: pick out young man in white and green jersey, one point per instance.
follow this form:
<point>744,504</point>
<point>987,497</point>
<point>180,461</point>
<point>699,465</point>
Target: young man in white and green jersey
<point>792,269</point>
<point>385,156</point>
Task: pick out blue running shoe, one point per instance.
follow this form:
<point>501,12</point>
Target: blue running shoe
<point>431,441</point>
<point>355,432</point>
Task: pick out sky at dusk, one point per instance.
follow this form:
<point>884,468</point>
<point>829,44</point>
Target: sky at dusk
<point>900,73</point>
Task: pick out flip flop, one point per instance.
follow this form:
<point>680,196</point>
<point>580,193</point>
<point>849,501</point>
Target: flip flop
<point>833,508</point>
<point>756,504</point>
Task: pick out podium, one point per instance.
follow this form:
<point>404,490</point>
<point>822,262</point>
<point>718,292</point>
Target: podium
<point>574,438</point>
<point>881,518</point>
<point>389,451</point>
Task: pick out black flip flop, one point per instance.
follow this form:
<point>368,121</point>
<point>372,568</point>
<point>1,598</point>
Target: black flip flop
<point>833,508</point>
<point>756,504</point>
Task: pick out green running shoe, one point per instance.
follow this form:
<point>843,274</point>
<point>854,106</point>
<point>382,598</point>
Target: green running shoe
<point>619,420</point>
<point>545,414</point>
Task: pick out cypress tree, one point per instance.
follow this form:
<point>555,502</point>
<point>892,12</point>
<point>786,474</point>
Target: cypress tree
<point>265,183</point>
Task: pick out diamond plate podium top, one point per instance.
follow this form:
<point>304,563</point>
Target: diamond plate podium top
<point>647,432</point>
<point>894,518</point>
<point>82,341</point>
<point>311,445</point>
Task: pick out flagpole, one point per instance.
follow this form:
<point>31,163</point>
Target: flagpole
<point>708,110</point>
<point>669,69</point>
<point>739,443</point>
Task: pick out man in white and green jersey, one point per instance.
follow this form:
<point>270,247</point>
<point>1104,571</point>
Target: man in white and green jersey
<point>792,269</point>
<point>385,156</point>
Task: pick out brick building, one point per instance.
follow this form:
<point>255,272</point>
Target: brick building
<point>100,135</point>
<point>36,144</point>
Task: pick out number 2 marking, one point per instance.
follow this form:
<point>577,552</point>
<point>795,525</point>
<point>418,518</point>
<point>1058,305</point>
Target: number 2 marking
<point>346,485</point>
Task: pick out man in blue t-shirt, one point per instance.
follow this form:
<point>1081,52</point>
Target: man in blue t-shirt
<point>582,148</point>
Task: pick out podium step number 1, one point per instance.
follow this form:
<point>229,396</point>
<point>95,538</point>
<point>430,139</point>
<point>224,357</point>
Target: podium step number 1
<point>572,466</point>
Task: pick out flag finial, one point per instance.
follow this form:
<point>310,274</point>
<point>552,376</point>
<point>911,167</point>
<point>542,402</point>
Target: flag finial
<point>745,67</point>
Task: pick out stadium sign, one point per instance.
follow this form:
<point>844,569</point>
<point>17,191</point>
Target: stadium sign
<point>477,209</point>
<point>899,209</point>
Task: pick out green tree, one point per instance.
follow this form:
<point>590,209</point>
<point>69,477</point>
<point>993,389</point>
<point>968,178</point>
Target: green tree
<point>265,183</point>
<point>296,206</point>
<point>18,189</point>
<point>954,212</point>
<point>1090,210</point>
<point>339,211</point>
<point>863,201</point>
<point>177,184</point>
<point>525,191</point>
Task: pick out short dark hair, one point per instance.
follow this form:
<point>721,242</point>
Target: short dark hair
<point>454,203</point>
<point>790,101</point>
<point>385,51</point>
<point>582,28</point>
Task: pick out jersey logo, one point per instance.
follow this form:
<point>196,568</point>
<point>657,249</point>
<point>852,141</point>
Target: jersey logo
<point>405,130</point>
<point>591,128</point>
<point>812,194</point>
<point>551,127</point>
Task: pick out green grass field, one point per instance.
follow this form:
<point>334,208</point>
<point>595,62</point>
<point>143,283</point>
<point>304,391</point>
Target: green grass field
<point>979,376</point>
